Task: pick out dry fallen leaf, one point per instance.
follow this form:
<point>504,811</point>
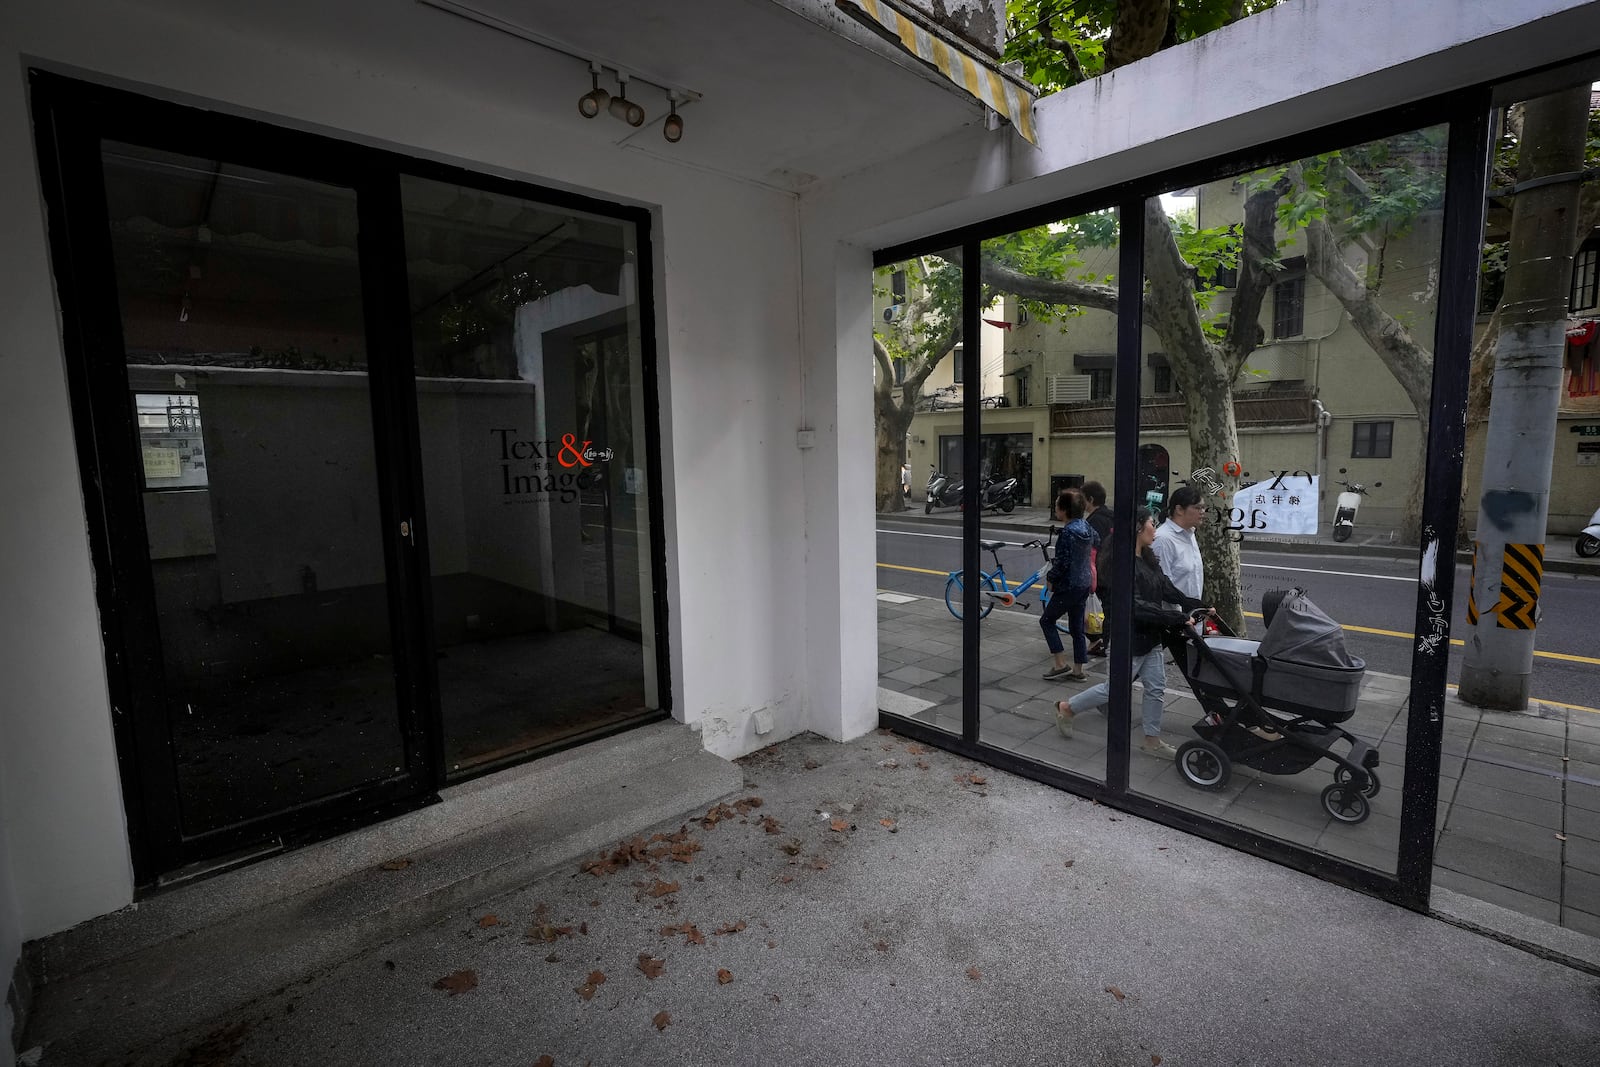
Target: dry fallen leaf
<point>458,982</point>
<point>552,958</point>
<point>974,974</point>
<point>881,946</point>
<point>545,1061</point>
<point>650,965</point>
<point>886,822</point>
<point>1068,863</point>
<point>661,889</point>
<point>743,807</point>
<point>793,848</point>
<point>1155,1061</point>
<point>812,764</point>
<point>662,1020</point>
<point>488,921</point>
<point>596,978</point>
<point>915,750</point>
<point>819,863</point>
<point>397,865</point>
<point>586,991</point>
<point>770,825</point>
<point>724,976</point>
<point>731,928</point>
<point>977,779</point>
<point>922,765</point>
<point>1114,991</point>
<point>839,826</point>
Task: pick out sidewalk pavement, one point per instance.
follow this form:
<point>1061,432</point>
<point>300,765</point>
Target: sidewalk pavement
<point>1561,553</point>
<point>1519,793</point>
<point>880,903</point>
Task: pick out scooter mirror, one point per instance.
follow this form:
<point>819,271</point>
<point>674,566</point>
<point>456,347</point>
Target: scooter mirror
<point>1377,485</point>
<point>1341,470</point>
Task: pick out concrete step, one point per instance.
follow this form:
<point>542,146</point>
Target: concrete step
<point>203,950</point>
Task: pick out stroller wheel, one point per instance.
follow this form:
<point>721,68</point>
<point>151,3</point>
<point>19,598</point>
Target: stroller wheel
<point>1342,775</point>
<point>1345,803</point>
<point>1203,764</point>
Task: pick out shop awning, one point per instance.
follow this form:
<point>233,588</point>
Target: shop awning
<point>995,90</point>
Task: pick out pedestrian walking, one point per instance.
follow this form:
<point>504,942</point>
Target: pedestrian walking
<point>1071,579</point>
<point>1176,547</point>
<point>1098,516</point>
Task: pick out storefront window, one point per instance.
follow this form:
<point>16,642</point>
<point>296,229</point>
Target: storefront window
<point>526,331</point>
<point>917,322</point>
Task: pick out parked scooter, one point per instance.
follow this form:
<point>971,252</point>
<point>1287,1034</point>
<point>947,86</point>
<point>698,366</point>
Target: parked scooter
<point>942,491</point>
<point>1589,539</point>
<point>1344,516</point>
<point>1000,495</point>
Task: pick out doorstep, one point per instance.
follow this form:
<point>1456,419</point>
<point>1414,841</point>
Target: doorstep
<point>203,950</point>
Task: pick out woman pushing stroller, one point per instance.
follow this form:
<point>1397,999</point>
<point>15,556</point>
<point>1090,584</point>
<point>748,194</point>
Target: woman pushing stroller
<point>1153,615</point>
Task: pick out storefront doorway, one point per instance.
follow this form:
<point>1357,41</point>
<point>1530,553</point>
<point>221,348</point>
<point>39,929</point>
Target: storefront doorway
<point>369,449</point>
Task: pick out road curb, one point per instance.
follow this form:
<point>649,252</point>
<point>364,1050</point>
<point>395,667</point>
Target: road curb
<point>1373,550</point>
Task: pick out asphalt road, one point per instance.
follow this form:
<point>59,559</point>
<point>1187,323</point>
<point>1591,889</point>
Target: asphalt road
<point>1374,597</point>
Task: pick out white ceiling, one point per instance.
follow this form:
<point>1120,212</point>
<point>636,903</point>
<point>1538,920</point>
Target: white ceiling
<point>791,91</point>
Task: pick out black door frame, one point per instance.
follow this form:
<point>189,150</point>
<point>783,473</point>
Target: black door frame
<point>1468,115</point>
<point>71,119</point>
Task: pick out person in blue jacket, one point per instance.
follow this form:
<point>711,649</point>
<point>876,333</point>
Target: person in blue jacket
<point>1158,606</point>
<point>1071,580</point>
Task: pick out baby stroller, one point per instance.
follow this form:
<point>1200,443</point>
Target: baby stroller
<point>1272,704</point>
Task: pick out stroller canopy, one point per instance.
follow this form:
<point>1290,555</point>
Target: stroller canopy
<point>1300,632</point>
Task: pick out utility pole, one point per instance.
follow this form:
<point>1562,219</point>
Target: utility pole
<point>1519,440</point>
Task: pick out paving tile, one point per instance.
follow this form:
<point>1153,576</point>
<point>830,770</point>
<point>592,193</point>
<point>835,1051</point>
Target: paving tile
<point>1582,891</point>
<point>1584,797</point>
<point>1581,921</point>
<point>1283,829</point>
<point>1535,840</point>
<point>1013,727</point>
<point>1520,806</point>
<point>1587,751</point>
<point>1525,722</point>
<point>1500,865</point>
<point>1583,732</point>
<point>1583,773</point>
<point>1553,744</point>
<point>1507,756</point>
<point>1526,904</point>
<point>913,675</point>
<point>1515,781</point>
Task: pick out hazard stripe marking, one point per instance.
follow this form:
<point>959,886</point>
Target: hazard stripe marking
<point>1472,586</point>
<point>1520,571</point>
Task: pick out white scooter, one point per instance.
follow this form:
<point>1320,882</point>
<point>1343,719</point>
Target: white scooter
<point>1589,539</point>
<point>1344,516</point>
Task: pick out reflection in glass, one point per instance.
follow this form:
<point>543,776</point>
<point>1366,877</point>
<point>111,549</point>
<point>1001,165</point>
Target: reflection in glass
<point>1294,307</point>
<point>1048,380</point>
<point>1519,789</point>
<point>916,389</point>
<point>241,309</point>
<point>530,400</point>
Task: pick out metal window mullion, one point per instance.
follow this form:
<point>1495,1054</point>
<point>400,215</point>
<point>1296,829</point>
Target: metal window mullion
<point>971,516</point>
<point>1466,183</point>
<point>1130,322</point>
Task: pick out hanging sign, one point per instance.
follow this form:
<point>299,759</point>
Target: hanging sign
<point>1581,333</point>
<point>1284,504</point>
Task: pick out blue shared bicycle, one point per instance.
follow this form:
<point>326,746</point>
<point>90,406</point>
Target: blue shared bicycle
<point>996,589</point>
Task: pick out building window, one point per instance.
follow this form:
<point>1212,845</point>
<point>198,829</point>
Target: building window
<point>1289,307</point>
<point>1102,384</point>
<point>1161,380</point>
<point>899,372</point>
<point>897,286</point>
<point>1022,388</point>
<point>1585,280</point>
<point>1372,440</point>
<point>959,354</point>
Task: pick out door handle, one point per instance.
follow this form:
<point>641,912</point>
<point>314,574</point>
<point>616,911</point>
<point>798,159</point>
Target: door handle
<point>407,532</point>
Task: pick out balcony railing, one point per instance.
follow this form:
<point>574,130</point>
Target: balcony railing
<point>1269,407</point>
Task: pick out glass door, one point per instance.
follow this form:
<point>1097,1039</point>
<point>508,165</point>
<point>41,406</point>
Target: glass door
<point>526,339</point>
<point>270,675</point>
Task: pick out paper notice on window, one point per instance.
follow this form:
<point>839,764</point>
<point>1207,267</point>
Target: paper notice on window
<point>163,463</point>
<point>1285,505</point>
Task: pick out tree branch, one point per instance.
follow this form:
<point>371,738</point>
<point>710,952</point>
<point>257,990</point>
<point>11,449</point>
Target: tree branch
<point>1064,47</point>
<point>1137,32</point>
<point>1258,256</point>
<point>1170,308</point>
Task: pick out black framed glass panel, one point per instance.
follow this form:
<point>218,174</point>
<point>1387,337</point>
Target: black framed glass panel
<point>917,345</point>
<point>525,325</point>
<point>1293,304</point>
<point>1046,464</point>
<point>241,311</point>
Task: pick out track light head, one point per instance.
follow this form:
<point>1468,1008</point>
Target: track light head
<point>623,108</point>
<point>672,125</point>
<point>594,101</point>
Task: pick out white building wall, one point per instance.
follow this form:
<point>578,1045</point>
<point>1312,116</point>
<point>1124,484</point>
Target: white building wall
<point>730,387</point>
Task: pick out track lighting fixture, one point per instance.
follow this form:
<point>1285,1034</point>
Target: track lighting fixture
<point>672,125</point>
<point>623,108</point>
<point>594,101</point>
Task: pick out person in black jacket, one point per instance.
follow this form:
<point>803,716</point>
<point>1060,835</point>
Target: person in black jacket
<point>1098,516</point>
<point>1153,616</point>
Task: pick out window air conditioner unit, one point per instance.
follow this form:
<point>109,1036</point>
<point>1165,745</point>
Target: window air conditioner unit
<point>1066,389</point>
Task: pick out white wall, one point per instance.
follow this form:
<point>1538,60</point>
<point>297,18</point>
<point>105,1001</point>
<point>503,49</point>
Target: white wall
<point>730,381</point>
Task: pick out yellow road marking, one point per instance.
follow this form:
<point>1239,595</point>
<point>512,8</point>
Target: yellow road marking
<point>1454,641</point>
<point>914,570</point>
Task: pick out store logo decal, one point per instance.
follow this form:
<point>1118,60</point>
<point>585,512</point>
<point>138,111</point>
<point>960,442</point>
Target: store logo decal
<point>560,468</point>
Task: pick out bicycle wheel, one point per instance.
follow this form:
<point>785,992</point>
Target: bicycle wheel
<point>953,588</point>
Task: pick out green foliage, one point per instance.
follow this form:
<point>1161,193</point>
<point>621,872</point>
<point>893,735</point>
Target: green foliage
<point>1063,42</point>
